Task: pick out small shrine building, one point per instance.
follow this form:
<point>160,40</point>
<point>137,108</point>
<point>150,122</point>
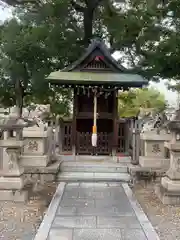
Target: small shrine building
<point>95,78</point>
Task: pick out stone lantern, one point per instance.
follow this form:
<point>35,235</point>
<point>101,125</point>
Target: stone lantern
<point>169,189</point>
<point>12,181</point>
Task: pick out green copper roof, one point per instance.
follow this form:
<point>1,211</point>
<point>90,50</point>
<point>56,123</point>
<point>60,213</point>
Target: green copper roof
<point>96,78</point>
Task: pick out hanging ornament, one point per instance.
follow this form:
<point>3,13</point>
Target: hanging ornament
<point>94,139</point>
<point>84,90</point>
<point>78,91</point>
<point>94,129</point>
<point>101,91</point>
<point>108,94</point>
<point>117,93</point>
<point>88,91</point>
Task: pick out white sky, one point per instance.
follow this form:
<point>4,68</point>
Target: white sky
<point>171,97</point>
<point>5,12</point>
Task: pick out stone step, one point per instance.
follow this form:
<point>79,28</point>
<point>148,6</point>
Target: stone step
<point>95,177</point>
<point>95,159</point>
<point>93,167</point>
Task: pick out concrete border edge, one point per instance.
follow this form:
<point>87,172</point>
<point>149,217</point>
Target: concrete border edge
<point>44,228</point>
<point>141,216</point>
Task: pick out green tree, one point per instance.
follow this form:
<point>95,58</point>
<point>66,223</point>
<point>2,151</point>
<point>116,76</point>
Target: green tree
<point>132,28</point>
<point>130,102</point>
<point>24,63</point>
<point>61,28</point>
<point>44,40</point>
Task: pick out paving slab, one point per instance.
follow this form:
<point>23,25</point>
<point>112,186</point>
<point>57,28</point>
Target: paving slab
<point>95,211</point>
<point>123,222</point>
<point>97,234</point>
<point>79,202</point>
<point>61,234</point>
<point>74,222</point>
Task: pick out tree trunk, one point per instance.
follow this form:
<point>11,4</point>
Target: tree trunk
<point>88,25</point>
<point>88,14</point>
<point>19,97</point>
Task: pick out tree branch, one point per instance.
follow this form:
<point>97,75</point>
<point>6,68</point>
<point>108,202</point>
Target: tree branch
<point>86,2</point>
<point>131,56</point>
<point>76,6</point>
<point>95,3</point>
<point>23,3</point>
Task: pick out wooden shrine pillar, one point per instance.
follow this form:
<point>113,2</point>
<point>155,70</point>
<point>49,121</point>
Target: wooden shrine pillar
<point>127,135</point>
<point>115,126</point>
<point>74,137</point>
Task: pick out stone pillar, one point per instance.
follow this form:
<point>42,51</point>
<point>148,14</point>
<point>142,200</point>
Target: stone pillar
<point>154,150</point>
<point>58,134</point>
<point>36,149</point>
<point>138,144</point>
<point>134,162</point>
<point>135,145</point>
<point>169,189</point>
<point>51,144</point>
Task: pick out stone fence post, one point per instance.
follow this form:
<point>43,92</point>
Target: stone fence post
<point>135,143</point>
<point>58,134</point>
<point>51,143</point>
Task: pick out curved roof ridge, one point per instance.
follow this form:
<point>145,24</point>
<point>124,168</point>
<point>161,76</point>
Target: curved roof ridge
<point>96,43</point>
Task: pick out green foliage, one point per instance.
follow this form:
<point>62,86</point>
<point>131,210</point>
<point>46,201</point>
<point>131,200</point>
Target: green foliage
<point>29,50</point>
<point>22,60</point>
<point>133,31</point>
<point>130,102</point>
<point>33,44</point>
<point>47,36</point>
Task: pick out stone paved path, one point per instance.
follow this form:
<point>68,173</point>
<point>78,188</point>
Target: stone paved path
<point>95,211</point>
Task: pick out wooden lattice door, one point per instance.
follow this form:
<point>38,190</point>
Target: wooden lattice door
<point>67,137</point>
<point>84,145</point>
<point>121,137</point>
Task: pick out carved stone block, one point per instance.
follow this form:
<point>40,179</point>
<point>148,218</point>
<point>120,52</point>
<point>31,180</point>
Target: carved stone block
<point>16,196</point>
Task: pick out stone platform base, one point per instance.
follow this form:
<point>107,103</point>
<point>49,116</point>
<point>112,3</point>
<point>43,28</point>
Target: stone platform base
<point>154,162</point>
<point>42,174</point>
<point>15,196</point>
<point>167,197</point>
<point>34,160</point>
<point>139,173</point>
<point>170,185</point>
<point>12,183</point>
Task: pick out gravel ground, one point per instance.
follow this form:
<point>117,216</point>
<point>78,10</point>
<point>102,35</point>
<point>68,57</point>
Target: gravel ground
<point>19,221</point>
<point>164,218</point>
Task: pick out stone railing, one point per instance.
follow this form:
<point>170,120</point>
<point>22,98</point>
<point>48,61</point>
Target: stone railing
<point>51,143</point>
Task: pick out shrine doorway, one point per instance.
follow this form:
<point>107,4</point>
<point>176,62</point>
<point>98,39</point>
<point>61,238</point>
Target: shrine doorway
<point>84,133</point>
